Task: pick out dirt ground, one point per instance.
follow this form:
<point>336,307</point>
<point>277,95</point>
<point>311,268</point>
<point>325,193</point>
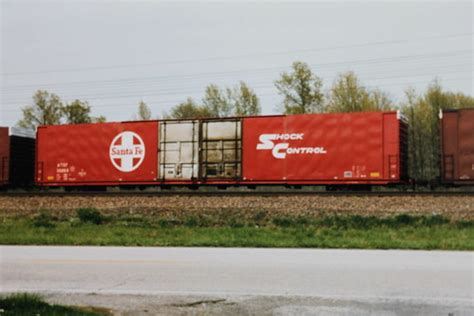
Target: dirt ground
<point>454,207</point>
<point>174,305</point>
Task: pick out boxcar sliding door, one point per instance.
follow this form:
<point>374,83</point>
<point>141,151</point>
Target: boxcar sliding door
<point>178,158</point>
<point>221,147</point>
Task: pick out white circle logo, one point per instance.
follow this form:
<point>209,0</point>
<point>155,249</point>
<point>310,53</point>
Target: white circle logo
<point>127,151</point>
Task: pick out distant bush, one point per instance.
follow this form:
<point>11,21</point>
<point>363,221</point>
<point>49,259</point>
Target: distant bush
<point>191,221</point>
<point>465,224</point>
<point>32,304</point>
<point>132,220</point>
<point>358,222</point>
<point>283,221</point>
<point>366,222</point>
<point>303,221</point>
<point>44,219</point>
<point>21,301</point>
<point>434,220</point>
<point>259,216</point>
<point>235,222</point>
<point>90,215</point>
<point>404,219</point>
<point>167,223</point>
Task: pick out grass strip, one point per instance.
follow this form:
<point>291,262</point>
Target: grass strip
<point>23,304</point>
<point>90,227</point>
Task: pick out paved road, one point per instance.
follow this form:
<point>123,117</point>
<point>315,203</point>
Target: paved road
<point>425,277</point>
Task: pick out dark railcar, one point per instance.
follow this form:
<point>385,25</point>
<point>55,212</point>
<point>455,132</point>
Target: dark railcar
<point>457,146</point>
<point>4,155</point>
<point>17,157</point>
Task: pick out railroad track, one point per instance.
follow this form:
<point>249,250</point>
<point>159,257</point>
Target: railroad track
<point>231,193</point>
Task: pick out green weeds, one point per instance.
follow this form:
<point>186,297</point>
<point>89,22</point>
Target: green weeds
<point>32,304</point>
<point>90,215</point>
<point>44,219</point>
<point>261,229</point>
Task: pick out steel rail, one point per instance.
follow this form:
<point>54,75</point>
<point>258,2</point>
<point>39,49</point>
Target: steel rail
<point>228,193</point>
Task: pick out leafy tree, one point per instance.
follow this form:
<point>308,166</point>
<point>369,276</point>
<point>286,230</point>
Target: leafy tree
<point>216,102</point>
<point>244,100</point>
<point>380,101</point>
<point>99,119</point>
<point>348,95</point>
<point>240,100</point>
<point>438,100</point>
<point>422,112</point>
<point>144,112</point>
<point>46,110</point>
<point>420,148</point>
<point>301,90</point>
<point>77,112</point>
<point>189,110</point>
<point>459,101</point>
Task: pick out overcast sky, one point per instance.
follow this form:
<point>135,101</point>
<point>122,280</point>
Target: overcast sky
<point>114,54</point>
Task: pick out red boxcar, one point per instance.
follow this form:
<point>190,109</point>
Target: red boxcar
<point>325,148</point>
<point>365,148</point>
<point>457,146</point>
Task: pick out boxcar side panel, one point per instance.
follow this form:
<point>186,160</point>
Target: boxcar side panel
<point>341,148</point>
<point>391,147</point>
<point>97,153</point>
<point>466,145</point>
<point>457,146</point>
<point>259,162</point>
<point>449,141</point>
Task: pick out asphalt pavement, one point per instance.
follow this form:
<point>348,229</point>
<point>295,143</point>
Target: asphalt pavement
<point>425,282</point>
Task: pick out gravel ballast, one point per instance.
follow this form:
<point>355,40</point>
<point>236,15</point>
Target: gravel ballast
<point>453,207</point>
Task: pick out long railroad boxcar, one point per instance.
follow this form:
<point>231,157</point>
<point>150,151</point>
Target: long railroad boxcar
<point>457,146</point>
<point>17,157</point>
<point>349,148</point>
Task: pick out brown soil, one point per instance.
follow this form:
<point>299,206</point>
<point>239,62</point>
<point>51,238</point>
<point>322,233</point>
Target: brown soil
<point>454,207</point>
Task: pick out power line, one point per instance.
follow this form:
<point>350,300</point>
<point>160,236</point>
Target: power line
<point>178,89</point>
<point>172,102</point>
<point>262,86</point>
<point>180,84</point>
<point>239,56</point>
<point>384,60</point>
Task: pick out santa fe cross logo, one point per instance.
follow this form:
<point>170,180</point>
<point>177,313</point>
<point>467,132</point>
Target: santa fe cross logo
<point>127,151</point>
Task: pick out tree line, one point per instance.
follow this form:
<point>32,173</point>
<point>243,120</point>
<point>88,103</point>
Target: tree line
<point>422,113</point>
<point>301,91</point>
<point>49,109</point>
